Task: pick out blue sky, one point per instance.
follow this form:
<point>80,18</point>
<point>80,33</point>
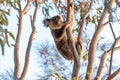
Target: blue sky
<point>42,34</point>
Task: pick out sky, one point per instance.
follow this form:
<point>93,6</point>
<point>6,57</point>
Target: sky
<point>43,34</point>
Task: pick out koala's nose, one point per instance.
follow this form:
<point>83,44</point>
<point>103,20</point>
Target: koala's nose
<point>48,20</point>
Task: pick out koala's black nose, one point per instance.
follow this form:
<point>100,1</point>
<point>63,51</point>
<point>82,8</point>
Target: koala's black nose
<point>48,20</point>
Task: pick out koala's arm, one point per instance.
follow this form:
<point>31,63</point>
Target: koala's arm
<point>65,26</point>
<point>59,34</point>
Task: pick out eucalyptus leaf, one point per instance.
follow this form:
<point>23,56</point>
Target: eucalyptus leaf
<point>11,35</point>
<point>2,46</point>
<point>57,74</point>
<point>63,78</point>
<point>118,2</point>
<point>1,29</point>
<point>6,36</point>
<point>19,5</point>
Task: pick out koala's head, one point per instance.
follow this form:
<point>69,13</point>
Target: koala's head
<point>54,22</point>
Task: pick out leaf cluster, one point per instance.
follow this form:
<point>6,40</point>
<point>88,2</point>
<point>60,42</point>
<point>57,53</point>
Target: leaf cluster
<point>4,33</point>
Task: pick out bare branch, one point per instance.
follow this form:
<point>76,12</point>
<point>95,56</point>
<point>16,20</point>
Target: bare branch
<point>27,57</point>
<point>26,7</point>
<point>93,45</point>
<point>105,23</point>
<point>102,62</point>
<point>111,58</point>
<point>39,2</point>
<point>84,20</point>
<point>79,39</point>
<point>17,43</point>
<point>16,49</point>
<point>114,75</point>
<point>104,58</point>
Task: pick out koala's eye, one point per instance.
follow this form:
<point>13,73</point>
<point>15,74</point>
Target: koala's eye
<point>54,19</point>
<point>57,17</point>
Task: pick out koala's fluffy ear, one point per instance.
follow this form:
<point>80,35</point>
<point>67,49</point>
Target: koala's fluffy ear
<point>46,22</point>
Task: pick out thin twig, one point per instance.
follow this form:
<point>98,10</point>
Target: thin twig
<point>104,58</point>
<point>111,58</point>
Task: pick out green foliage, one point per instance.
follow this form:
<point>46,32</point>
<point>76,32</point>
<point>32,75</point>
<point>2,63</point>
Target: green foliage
<point>3,20</point>
<point>4,33</point>
<point>11,35</point>
<point>45,9</point>
<point>81,7</point>
<point>59,77</point>
<point>7,33</point>
<point>85,57</point>
<point>117,2</point>
<point>19,5</point>
<point>2,46</point>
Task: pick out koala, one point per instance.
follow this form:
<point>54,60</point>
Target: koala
<point>58,29</point>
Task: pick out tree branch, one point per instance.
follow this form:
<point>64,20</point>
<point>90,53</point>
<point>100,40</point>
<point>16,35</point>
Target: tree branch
<point>115,74</point>
<point>79,39</point>
<point>70,18</point>
<point>16,49</point>
<point>17,43</point>
<point>111,58</point>
<point>104,58</point>
<point>27,57</point>
<point>93,45</point>
<point>25,10</point>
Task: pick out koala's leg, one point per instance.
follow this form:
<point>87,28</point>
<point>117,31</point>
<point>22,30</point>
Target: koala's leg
<point>66,52</point>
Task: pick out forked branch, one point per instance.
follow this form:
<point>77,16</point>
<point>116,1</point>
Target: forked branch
<point>27,56</point>
<point>104,57</point>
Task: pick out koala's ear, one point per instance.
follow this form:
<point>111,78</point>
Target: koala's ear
<point>46,22</point>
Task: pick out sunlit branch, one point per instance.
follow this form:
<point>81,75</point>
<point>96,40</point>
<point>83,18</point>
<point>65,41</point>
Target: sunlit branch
<point>27,57</point>
<point>114,75</point>
<point>79,39</point>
